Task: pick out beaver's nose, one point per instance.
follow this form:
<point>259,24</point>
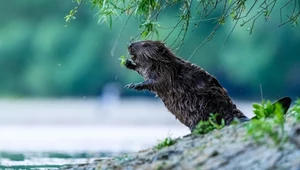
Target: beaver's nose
<point>130,45</point>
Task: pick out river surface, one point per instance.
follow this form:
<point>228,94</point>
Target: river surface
<point>44,133</point>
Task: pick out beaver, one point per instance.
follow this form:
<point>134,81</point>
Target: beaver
<point>188,91</point>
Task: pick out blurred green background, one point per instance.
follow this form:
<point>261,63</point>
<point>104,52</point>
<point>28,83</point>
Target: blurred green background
<point>42,57</point>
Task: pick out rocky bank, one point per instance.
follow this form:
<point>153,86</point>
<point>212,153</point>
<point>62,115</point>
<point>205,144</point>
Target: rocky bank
<point>228,148</point>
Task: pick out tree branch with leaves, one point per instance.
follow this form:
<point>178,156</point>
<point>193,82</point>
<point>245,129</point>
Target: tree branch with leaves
<point>191,15</point>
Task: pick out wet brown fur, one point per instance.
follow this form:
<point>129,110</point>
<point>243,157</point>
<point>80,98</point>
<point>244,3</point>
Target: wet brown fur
<point>189,92</point>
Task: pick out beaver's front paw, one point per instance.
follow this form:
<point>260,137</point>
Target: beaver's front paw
<point>129,64</point>
<point>136,86</point>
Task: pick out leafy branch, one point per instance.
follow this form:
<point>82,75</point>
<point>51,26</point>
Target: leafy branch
<point>191,14</point>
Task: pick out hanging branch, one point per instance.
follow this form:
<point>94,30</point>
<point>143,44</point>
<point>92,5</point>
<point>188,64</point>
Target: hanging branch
<point>241,12</point>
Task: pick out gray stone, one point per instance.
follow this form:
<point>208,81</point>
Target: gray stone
<point>224,149</point>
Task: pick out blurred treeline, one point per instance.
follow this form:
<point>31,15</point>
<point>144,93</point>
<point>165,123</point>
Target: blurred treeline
<point>42,57</point>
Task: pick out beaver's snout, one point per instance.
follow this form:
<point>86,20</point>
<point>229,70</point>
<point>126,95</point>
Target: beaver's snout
<point>135,46</point>
<point>131,48</point>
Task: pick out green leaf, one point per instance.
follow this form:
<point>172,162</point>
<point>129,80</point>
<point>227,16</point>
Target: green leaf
<point>256,106</point>
<point>123,60</point>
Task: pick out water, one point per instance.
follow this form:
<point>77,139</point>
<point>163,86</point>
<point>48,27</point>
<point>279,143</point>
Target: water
<point>37,134</point>
<point>50,160</point>
<point>39,146</point>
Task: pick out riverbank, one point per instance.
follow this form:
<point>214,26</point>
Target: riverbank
<point>228,148</point>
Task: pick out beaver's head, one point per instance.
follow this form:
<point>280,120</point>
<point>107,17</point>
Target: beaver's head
<point>150,51</point>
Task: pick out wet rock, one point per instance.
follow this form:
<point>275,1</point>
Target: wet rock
<point>227,149</point>
<point>295,135</point>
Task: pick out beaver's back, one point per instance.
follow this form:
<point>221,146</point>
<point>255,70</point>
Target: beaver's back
<point>194,94</point>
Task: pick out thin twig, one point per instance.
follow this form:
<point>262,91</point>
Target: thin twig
<point>261,93</point>
<point>186,25</point>
<point>286,4</point>
<point>231,31</point>
<point>207,39</point>
<point>119,36</point>
<point>250,9</point>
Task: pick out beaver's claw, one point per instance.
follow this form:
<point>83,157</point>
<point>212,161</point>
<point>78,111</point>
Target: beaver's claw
<point>129,86</point>
<point>136,86</point>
